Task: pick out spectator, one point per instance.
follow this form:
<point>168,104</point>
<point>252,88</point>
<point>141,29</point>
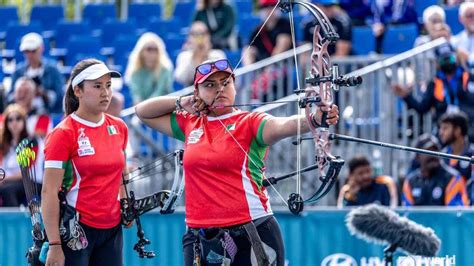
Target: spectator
<point>149,70</point>
<point>44,72</point>
<point>273,39</point>
<point>447,92</point>
<point>220,19</point>
<point>363,187</point>
<point>452,3</point>
<point>13,131</point>
<point>464,41</point>
<point>340,21</point>
<point>38,122</point>
<point>432,16</point>
<point>358,11</point>
<point>453,131</point>
<point>433,183</point>
<point>198,48</point>
<point>388,12</point>
<point>116,104</point>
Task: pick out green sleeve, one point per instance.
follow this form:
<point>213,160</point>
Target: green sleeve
<point>260,133</point>
<point>177,132</point>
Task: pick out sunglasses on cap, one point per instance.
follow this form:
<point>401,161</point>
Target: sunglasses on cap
<point>207,69</point>
<point>220,65</point>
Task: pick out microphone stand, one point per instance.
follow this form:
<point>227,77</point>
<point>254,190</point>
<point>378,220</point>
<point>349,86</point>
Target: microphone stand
<point>388,254</point>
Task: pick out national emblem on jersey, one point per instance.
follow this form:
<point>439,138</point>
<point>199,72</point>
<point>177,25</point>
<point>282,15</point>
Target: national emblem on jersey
<point>112,130</point>
<point>195,135</point>
<point>85,147</point>
<point>230,127</point>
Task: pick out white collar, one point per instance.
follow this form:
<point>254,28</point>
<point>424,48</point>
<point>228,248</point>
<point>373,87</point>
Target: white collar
<point>224,116</point>
<point>88,123</point>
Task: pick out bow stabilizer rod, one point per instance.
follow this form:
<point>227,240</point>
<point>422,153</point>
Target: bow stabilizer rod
<point>334,136</point>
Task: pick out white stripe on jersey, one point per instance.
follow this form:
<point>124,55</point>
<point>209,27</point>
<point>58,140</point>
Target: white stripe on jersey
<point>53,164</point>
<point>253,200</point>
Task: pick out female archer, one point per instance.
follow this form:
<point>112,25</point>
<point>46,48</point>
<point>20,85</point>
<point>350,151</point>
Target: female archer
<point>224,157</point>
<point>85,160</point>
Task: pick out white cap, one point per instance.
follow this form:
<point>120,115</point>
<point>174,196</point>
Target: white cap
<point>31,41</point>
<point>94,72</point>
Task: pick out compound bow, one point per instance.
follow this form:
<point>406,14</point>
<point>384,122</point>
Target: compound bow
<point>166,200</point>
<point>323,79</point>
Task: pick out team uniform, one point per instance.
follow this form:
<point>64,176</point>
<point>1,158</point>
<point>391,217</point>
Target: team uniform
<point>465,168</point>
<point>446,187</point>
<point>224,185</point>
<point>377,192</point>
<point>93,157</point>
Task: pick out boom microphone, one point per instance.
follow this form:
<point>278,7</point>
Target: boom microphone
<point>381,225</point>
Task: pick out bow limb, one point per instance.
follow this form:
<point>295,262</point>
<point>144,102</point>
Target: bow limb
<point>132,208</point>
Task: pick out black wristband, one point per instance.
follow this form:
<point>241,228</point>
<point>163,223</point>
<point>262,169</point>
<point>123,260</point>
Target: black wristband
<point>179,107</point>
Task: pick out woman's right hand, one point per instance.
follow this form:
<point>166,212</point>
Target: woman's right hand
<point>194,105</point>
<point>55,256</point>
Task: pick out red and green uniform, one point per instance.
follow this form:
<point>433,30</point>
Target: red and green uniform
<point>223,185</point>
<point>93,157</point>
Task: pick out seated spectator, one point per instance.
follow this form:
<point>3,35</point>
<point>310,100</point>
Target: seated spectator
<point>389,12</point>
<point>434,182</point>
<point>453,3</point>
<point>453,132</point>
<point>149,70</point>
<point>219,17</point>
<point>358,11</point>
<point>38,122</point>
<point>432,16</point>
<point>273,39</point>
<point>48,79</point>
<point>116,104</point>
<point>447,92</point>
<point>197,49</point>
<point>13,131</point>
<point>464,41</point>
<point>363,187</point>
<point>340,21</point>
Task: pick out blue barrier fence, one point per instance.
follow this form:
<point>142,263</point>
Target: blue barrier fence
<point>318,237</point>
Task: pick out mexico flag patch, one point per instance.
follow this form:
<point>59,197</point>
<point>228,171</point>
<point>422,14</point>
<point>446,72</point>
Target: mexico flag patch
<point>112,130</point>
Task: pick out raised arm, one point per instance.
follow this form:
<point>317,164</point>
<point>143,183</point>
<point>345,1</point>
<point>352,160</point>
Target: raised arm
<point>278,128</point>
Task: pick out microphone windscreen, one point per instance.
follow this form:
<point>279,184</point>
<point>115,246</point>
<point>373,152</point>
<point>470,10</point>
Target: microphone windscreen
<point>383,226</point>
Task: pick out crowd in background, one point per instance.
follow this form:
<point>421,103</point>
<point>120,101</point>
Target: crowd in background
<point>37,88</point>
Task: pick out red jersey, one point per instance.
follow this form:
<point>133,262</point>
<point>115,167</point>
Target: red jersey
<point>223,184</point>
<point>93,157</point>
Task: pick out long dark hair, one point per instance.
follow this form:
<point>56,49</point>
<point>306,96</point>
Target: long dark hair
<point>71,102</point>
<point>6,136</point>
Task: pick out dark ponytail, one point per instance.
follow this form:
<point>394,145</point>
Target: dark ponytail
<point>71,102</point>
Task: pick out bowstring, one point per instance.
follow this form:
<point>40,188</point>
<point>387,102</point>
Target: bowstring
<point>298,87</point>
<point>299,111</point>
<point>150,169</point>
<point>251,160</point>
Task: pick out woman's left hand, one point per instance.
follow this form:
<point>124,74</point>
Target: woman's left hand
<point>332,114</point>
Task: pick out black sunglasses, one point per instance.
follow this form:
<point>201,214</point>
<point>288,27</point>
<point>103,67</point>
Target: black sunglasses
<point>206,68</point>
<point>14,118</point>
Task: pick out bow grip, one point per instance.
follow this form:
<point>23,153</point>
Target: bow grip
<point>324,122</point>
